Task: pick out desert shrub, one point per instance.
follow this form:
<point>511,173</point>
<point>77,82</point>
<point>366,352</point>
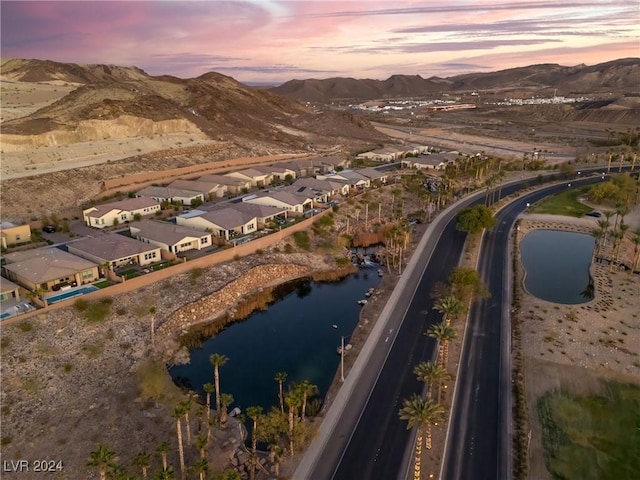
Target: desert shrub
<point>194,275</point>
<point>302,240</point>
<point>98,311</point>
<point>288,248</point>
<point>25,326</point>
<point>155,382</point>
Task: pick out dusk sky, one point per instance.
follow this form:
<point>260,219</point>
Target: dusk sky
<point>271,41</point>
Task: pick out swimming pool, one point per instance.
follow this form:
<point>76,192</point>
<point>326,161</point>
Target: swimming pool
<point>71,293</point>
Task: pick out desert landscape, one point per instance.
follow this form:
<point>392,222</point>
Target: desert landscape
<point>69,130</point>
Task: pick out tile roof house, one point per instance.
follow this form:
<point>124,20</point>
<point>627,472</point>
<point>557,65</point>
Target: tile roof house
<point>350,177</point>
<point>296,203</point>
<point>234,185</point>
<point>45,268</point>
<point>257,177</point>
<point>434,161</point>
<point>170,194</point>
<point>169,236</point>
<point>116,250</point>
<point>327,186</point>
<point>11,234</point>
<point>279,172</point>
<point>223,222</point>
<point>8,290</point>
<point>376,176</point>
<point>101,216</point>
<point>209,189</point>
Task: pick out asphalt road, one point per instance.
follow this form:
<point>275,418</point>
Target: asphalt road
<point>368,441</point>
<point>479,442</point>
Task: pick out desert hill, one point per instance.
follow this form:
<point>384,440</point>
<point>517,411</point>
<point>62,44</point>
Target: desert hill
<point>122,102</point>
<point>620,76</point>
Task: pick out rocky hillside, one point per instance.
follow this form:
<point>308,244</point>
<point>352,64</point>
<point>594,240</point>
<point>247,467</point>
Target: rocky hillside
<point>122,102</point>
<point>619,76</point>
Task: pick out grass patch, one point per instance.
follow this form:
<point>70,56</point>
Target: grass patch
<point>565,203</point>
<point>103,284</point>
<point>98,311</point>
<point>156,384</point>
<point>130,273</point>
<point>591,436</point>
<point>301,239</point>
<point>25,326</point>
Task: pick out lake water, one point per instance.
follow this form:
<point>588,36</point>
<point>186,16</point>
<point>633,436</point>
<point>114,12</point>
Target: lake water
<point>557,265</point>
<point>294,335</point>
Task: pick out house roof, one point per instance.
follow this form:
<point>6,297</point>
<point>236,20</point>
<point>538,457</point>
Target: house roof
<point>228,218</point>
<point>371,173</point>
<point>284,196</point>
<point>251,173</point>
<point>165,232</point>
<point>7,286</point>
<point>167,192</point>
<point>127,205</point>
<point>45,264</point>
<point>195,185</point>
<point>257,210</point>
<point>274,169</point>
<point>315,183</point>
<point>111,246</point>
<point>223,180</point>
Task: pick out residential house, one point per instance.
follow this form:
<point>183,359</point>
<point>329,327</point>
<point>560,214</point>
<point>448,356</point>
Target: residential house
<point>8,290</point>
<point>327,186</point>
<point>12,234</point>
<point>293,203</point>
<point>264,213</point>
<point>277,172</point>
<point>349,177</point>
<point>387,154</point>
<point>434,161</point>
<point>210,190</point>
<point>115,250</point>
<point>257,177</point>
<point>101,216</point>
<point>169,236</point>
<point>233,185</point>
<point>48,269</point>
<point>171,195</point>
<point>377,177</point>
<point>317,195</point>
<point>224,223</point>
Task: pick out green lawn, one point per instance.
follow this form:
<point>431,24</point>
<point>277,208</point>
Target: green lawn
<point>565,203</point>
<point>592,436</point>
<point>103,284</point>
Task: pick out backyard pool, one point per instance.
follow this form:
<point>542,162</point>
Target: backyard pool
<point>76,292</point>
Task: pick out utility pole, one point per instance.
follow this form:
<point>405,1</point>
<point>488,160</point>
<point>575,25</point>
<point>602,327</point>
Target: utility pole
<point>342,360</point>
<point>153,330</point>
<point>366,216</point>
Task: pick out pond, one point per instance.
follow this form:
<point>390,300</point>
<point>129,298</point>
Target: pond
<point>298,334</point>
<point>557,265</point>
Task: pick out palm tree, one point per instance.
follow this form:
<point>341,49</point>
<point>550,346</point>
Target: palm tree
<point>217,360</point>
<point>201,445</point>
<point>254,414</point>
<point>422,414</point>
<point>208,389</point>
<point>200,467</point>
<point>293,401</point>
<point>103,458</point>
<point>449,306</point>
<point>597,234</point>
<point>162,449</point>
<point>226,399</point>
<point>165,474</point>
<point>281,377</point>
<point>142,460</point>
<point>306,389</point>
<point>443,334</point>
<point>178,413</point>
<point>187,404</point>
<point>431,374</point>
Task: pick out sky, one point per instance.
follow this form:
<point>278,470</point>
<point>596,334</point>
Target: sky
<point>271,42</point>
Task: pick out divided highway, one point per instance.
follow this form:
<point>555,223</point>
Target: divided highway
<point>362,437</point>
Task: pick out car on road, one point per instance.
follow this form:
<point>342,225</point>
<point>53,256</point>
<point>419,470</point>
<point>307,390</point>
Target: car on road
<point>594,214</point>
<point>49,229</point>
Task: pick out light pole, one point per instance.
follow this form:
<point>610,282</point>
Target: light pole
<point>342,359</point>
